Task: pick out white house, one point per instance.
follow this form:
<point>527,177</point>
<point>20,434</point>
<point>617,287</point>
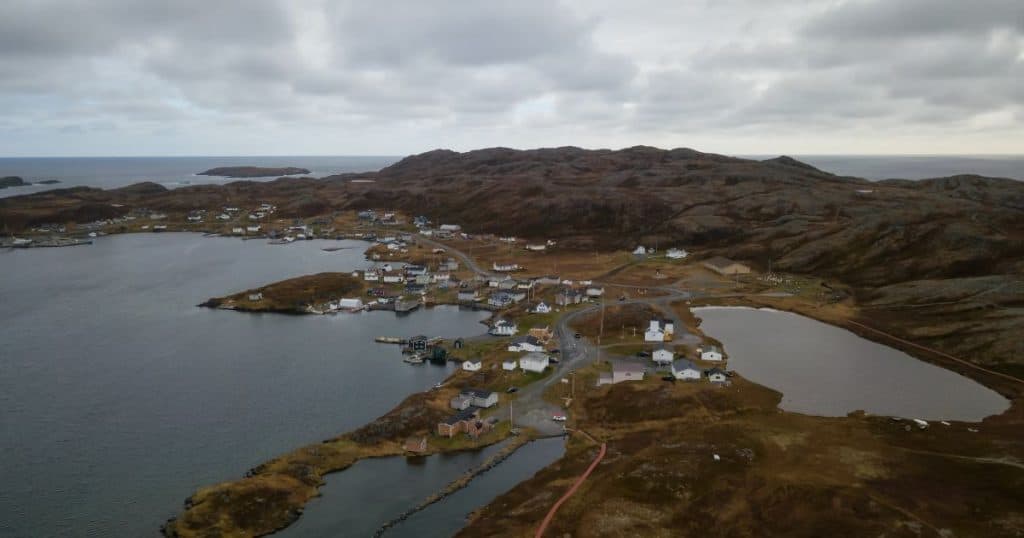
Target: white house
<point>472,366</point>
<point>505,267</point>
<point>509,365</point>
<point>640,251</point>
<point>480,397</point>
<point>534,362</point>
<point>252,229</point>
<point>662,356</point>
<point>238,230</point>
<point>393,278</point>
<point>685,370</point>
<point>537,248</point>
<point>717,375</point>
<point>256,296</point>
<point>371,276</point>
<point>710,353</point>
<point>541,308</point>
<point>654,332</point>
<point>595,292</point>
<point>504,327</point>
<point>350,304</point>
<point>622,371</point>
<point>526,343</point>
<point>450,227</point>
<point>676,254</point>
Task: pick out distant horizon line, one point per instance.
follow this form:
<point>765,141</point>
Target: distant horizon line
<point>738,155</point>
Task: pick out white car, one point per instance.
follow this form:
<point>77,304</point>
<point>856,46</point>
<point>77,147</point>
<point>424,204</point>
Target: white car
<point>558,417</point>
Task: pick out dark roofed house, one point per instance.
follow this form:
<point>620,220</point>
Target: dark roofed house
<point>459,422</point>
<point>418,343</point>
<point>725,266</point>
<point>480,397</point>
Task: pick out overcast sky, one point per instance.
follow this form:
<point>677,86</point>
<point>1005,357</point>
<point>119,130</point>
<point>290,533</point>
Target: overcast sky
<point>324,77</point>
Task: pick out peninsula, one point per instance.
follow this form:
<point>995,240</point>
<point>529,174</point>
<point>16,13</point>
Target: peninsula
<point>573,250</point>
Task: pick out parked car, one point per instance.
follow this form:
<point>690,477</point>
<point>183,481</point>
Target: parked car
<point>558,417</point>
<point>577,336</point>
<point>510,390</point>
<point>642,354</point>
<point>669,378</point>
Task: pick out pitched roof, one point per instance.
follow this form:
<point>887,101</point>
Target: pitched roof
<point>534,356</point>
<point>683,364</point>
<point>479,393</point>
<point>628,367</point>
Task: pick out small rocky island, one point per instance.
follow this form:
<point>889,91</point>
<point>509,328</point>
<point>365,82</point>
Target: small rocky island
<point>12,181</point>
<point>253,171</point>
<point>310,294</point>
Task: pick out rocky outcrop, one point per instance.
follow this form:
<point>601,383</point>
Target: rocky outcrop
<point>12,181</point>
<point>253,171</point>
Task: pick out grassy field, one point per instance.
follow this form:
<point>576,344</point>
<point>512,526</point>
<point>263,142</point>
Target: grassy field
<point>295,294</point>
<point>777,474</point>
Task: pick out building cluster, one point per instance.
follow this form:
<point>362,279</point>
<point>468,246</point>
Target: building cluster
<point>467,405</point>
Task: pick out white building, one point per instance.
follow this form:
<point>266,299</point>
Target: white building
<point>505,267</point>
<point>252,229</point>
<point>258,296</point>
<point>542,308</point>
<point>716,375</point>
<point>654,332</point>
<point>685,370</point>
<point>450,227</point>
<point>238,230</point>
<point>350,304</point>
<point>371,276</point>
<point>510,365</point>
<point>710,353</point>
<point>537,248</point>
<point>662,356</point>
<point>640,251</point>
<point>595,292</point>
<point>534,362</point>
<point>676,254</point>
<point>528,343</point>
<point>472,366</point>
<point>503,327</point>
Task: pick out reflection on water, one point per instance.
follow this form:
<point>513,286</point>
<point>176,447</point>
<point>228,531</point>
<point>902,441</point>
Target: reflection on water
<point>825,370</point>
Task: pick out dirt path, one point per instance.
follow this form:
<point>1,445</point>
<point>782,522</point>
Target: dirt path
<point>579,481</point>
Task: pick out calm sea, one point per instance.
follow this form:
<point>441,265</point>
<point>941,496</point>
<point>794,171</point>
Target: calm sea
<point>119,397</point>
<point>110,172</point>
<point>171,172</point>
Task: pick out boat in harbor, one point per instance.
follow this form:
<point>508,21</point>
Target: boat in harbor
<point>415,358</point>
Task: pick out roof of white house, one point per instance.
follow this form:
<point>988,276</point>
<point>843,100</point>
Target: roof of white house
<point>628,367</point>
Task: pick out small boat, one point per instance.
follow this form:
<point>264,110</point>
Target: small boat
<point>415,358</point>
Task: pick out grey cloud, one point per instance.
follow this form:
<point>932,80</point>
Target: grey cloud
<point>494,73</point>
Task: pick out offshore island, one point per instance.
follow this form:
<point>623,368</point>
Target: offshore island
<point>598,265</point>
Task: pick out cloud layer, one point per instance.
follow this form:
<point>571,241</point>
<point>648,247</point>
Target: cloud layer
<point>121,77</point>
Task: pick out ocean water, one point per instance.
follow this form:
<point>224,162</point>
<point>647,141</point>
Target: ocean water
<point>171,172</point>
<point>878,167</point>
<point>119,397</point>
<point>111,172</point>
